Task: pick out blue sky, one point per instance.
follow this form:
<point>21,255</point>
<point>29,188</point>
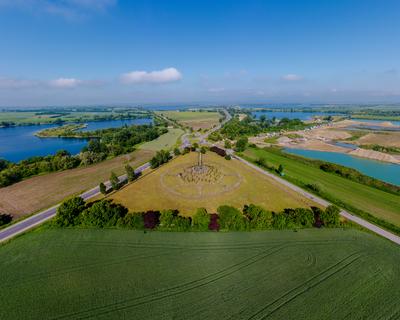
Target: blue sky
<point>108,51</point>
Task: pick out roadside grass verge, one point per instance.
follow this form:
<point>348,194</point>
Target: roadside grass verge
<point>377,206</point>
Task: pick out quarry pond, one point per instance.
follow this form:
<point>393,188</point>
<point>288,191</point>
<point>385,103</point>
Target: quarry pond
<point>387,172</point>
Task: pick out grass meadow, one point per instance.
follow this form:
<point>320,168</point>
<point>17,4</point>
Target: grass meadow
<point>166,141</point>
<point>235,184</point>
<point>378,203</point>
<point>125,274</point>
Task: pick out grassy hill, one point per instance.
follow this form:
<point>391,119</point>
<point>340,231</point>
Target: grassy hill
<point>114,274</point>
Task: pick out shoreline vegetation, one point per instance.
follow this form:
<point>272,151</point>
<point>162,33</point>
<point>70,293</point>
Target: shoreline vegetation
<point>328,181</point>
<point>64,131</point>
<point>103,144</point>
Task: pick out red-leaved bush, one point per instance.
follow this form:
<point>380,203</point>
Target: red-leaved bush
<point>213,225</point>
<point>151,219</point>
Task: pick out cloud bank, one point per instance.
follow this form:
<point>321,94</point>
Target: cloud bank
<point>292,77</point>
<point>141,77</point>
<point>65,83</point>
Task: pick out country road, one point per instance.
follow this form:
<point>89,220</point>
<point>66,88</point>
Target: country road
<point>388,235</point>
<point>47,214</point>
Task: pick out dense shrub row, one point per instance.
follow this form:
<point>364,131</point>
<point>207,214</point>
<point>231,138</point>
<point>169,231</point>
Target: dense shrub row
<point>337,169</point>
<point>357,176</point>
<point>106,143</point>
<point>104,213</point>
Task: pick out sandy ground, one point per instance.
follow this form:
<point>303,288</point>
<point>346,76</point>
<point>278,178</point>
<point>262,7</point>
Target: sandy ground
<point>375,155</point>
<point>386,139</point>
<point>322,139</point>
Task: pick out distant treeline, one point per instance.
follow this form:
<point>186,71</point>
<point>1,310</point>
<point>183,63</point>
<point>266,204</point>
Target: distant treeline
<point>65,117</point>
<point>109,143</point>
<point>106,214</point>
<point>250,126</point>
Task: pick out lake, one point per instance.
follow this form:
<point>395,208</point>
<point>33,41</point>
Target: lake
<point>291,115</point>
<point>388,172</point>
<point>18,143</point>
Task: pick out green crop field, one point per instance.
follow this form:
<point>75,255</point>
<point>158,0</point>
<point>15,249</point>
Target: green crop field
<point>124,274</point>
<point>166,141</point>
<point>378,203</point>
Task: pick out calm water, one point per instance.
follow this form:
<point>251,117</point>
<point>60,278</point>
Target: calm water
<point>345,145</point>
<point>290,115</point>
<point>381,170</point>
<point>18,143</point>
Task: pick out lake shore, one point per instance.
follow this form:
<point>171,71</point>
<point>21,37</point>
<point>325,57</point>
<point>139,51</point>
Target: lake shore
<point>331,138</point>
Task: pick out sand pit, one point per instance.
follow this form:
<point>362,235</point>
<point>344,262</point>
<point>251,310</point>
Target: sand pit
<point>374,155</point>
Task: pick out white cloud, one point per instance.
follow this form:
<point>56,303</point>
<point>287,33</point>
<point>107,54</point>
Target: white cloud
<point>292,77</point>
<point>65,83</point>
<point>161,76</point>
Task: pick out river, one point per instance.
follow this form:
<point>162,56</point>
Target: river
<point>388,172</point>
<point>18,143</point>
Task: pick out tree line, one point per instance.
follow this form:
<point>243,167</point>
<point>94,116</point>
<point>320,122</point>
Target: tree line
<point>75,212</point>
<point>250,126</point>
<point>108,143</point>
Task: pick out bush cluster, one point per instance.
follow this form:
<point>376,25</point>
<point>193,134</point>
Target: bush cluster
<point>160,158</point>
<point>5,219</point>
<point>104,143</point>
<point>106,214</point>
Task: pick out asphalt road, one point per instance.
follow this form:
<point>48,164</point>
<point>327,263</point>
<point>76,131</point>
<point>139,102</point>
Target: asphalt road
<point>41,217</point>
<point>47,214</point>
<point>347,215</point>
